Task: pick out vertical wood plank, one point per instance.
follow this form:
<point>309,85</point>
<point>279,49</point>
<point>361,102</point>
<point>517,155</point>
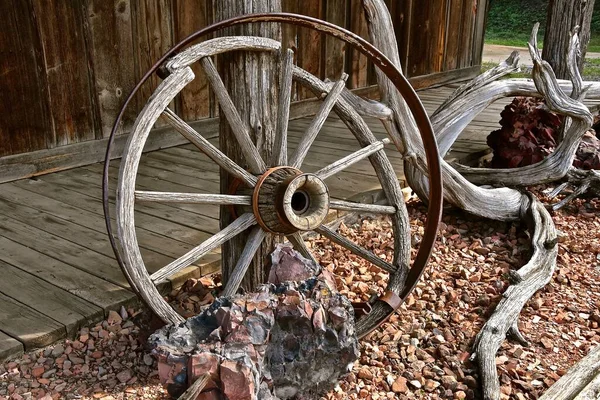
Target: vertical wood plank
<point>453,37</point>
<point>466,37</point>
<point>438,21</point>
<point>481,13</point>
<point>419,40</point>
<point>401,11</point>
<point>427,38</point>
<point>335,49</point>
<point>111,42</point>
<point>358,61</point>
<point>190,16</point>
<point>25,124</point>
<point>309,45</point>
<point>73,111</point>
<point>289,35</point>
<point>153,36</point>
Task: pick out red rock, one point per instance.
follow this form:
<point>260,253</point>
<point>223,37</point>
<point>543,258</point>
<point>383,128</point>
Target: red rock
<point>200,364</point>
<point>366,374</point>
<point>237,381</point>
<point>114,318</point>
<point>399,385</point>
<point>37,371</point>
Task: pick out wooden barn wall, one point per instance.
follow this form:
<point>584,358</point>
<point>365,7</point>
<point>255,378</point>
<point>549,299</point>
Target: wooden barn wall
<point>67,66</point>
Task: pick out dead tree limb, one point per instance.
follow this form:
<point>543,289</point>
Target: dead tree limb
<point>583,181</point>
<point>526,281</point>
<point>494,203</point>
<point>579,121</point>
<point>581,382</point>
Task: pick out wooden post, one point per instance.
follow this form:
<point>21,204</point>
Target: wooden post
<point>251,80</point>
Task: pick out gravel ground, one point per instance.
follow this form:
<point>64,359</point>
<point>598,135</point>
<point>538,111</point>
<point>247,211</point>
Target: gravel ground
<point>422,352</point>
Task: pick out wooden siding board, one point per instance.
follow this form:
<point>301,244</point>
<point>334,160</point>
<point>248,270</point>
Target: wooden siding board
<point>467,29</point>
<point>478,36</point>
<point>73,108</point>
<point>289,35</point>
<point>25,124</point>
<point>334,56</point>
<point>190,16</point>
<point>358,61</point>
<point>309,45</point>
<point>453,38</point>
<point>111,47</point>
<point>153,36</point>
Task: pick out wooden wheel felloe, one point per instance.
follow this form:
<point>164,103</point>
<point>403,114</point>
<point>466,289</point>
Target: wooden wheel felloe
<point>283,199</point>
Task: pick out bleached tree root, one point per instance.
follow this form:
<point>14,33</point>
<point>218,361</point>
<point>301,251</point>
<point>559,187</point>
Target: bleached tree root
<point>579,120</point>
<point>499,203</point>
<point>582,181</point>
<point>526,281</point>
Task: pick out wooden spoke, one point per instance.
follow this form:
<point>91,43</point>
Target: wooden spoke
<point>239,129</point>
<point>192,198</point>
<point>236,227</point>
<point>350,159</point>
<point>208,148</point>
<point>298,243</point>
<point>283,108</point>
<point>317,123</point>
<point>360,207</point>
<point>359,251</point>
<point>254,240</point>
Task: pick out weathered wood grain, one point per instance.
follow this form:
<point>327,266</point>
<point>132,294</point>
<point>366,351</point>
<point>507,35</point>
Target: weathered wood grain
<point>194,198</point>
<point>238,127</point>
<point>58,304</point>
<point>61,249</point>
<point>27,325</point>
<point>23,78</point>
<point>110,29</point>
<point>152,37</point>
<point>195,99</point>
<point>335,50</point>
<point>571,384</point>
<point>73,232</point>
<point>236,227</point>
<point>213,47</point>
<point>350,159</point>
<point>206,147</point>
<point>317,123</point>
<point>336,238</point>
<point>255,238</point>
<point>360,208</point>
<point>74,112</point>
<point>125,216</point>
<point>9,347</point>
<point>310,45</point>
<point>280,155</point>
<point>251,80</point>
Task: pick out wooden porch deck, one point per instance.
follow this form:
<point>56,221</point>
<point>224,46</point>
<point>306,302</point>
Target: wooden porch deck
<point>59,271</point>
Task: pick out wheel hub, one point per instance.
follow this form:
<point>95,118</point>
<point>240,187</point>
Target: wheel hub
<point>285,201</point>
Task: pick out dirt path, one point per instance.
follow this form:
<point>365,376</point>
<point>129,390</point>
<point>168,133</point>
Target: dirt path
<point>497,53</point>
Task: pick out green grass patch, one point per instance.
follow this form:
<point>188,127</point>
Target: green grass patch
<point>510,22</point>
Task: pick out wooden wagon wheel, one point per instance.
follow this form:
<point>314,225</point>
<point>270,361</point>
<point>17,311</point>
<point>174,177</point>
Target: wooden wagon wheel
<point>275,198</point>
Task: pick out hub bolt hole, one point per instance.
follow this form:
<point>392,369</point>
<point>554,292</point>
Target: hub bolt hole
<point>300,202</point>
